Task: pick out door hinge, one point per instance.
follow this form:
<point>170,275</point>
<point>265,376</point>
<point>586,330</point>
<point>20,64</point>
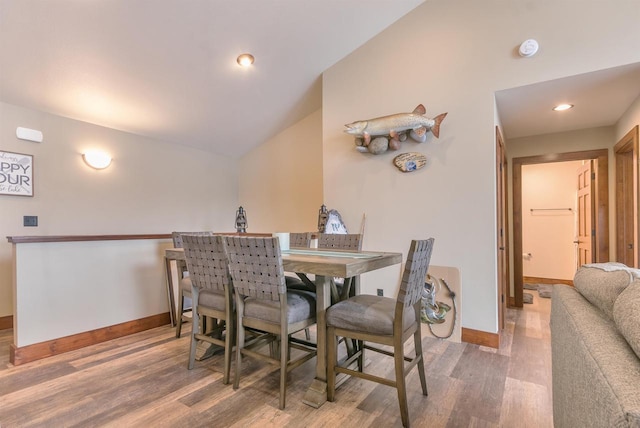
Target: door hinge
<point>593,232</point>
<point>502,298</point>
<point>593,175</point>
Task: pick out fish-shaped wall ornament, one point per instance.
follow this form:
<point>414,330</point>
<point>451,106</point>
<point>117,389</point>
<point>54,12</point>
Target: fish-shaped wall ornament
<point>409,162</point>
<point>394,128</point>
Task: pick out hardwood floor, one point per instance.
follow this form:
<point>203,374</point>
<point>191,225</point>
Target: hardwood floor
<point>142,380</point>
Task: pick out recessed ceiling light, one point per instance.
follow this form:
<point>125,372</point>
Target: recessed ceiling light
<point>562,107</point>
<point>245,60</point>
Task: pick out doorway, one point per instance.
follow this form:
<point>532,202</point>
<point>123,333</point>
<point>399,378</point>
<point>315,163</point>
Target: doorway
<point>600,196</point>
<point>626,155</point>
<point>550,221</point>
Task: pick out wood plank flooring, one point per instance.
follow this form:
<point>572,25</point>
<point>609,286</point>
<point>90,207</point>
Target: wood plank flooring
<point>142,381</point>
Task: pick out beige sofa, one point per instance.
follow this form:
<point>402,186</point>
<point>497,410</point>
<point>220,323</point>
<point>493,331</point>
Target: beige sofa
<point>595,345</point>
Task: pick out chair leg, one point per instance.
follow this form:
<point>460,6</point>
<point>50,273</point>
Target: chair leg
<point>361,357</point>
<point>417,337</point>
<point>194,329</point>
<point>228,347</point>
<point>179,314</point>
<point>284,360</point>
<point>398,356</point>
<point>332,358</point>
<point>239,346</point>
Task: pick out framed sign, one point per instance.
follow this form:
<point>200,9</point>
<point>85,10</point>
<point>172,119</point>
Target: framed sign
<point>16,174</point>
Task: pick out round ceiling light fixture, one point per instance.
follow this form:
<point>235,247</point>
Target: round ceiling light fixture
<point>562,107</point>
<point>528,48</point>
<point>245,60</point>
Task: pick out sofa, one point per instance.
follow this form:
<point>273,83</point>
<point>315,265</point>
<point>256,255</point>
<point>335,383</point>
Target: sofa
<point>595,348</point>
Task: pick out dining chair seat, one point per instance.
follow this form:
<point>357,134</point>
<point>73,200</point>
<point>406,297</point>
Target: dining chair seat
<point>209,298</point>
<point>301,305</point>
<point>368,314</point>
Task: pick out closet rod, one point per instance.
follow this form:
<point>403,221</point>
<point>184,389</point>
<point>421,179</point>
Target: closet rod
<point>551,209</point>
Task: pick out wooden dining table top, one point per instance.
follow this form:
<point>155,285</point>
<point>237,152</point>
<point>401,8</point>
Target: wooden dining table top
<point>320,261</point>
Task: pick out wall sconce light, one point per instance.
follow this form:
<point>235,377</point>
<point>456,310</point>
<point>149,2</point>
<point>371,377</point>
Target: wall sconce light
<point>241,220</point>
<point>97,159</point>
<point>245,60</point>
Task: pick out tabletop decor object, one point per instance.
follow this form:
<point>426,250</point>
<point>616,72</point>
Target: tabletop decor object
<point>323,214</point>
<point>335,223</point>
<point>408,162</point>
<point>241,220</point>
<point>384,133</point>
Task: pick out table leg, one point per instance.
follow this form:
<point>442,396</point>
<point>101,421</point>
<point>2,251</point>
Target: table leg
<point>316,394</point>
<point>172,304</point>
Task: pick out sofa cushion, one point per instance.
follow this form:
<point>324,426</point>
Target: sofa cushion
<point>626,314</point>
<point>601,284</point>
<point>595,374</point>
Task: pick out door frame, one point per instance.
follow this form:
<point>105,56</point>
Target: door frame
<point>601,195</point>
<point>502,238</point>
<point>627,144</point>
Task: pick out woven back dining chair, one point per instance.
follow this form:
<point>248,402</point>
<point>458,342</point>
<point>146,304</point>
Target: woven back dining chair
<point>383,321</point>
<point>264,304</point>
<point>300,239</point>
<point>341,288</point>
<point>212,295</point>
<point>184,306</point>
<point>348,241</point>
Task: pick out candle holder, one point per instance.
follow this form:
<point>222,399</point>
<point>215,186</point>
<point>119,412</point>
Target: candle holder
<point>323,216</point>
<point>241,220</point>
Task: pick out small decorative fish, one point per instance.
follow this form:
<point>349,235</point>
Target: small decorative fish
<point>408,162</point>
<point>393,125</point>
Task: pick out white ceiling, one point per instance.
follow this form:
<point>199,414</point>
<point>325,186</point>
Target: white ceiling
<point>600,98</point>
<point>167,69</point>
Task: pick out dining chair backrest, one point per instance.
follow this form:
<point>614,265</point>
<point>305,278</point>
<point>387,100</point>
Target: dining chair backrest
<point>177,237</point>
<point>415,272</point>
<point>207,261</point>
<point>256,267</point>
<point>301,239</point>
<point>349,241</point>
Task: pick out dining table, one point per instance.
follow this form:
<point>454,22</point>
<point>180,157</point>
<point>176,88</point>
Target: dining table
<point>324,264</point>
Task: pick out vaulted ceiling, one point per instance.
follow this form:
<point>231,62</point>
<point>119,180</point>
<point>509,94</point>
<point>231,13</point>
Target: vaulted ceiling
<point>167,69</point>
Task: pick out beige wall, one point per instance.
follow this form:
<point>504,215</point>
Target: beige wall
<point>281,180</point>
<point>628,120</point>
<point>548,227</point>
<point>453,56</point>
<point>151,186</point>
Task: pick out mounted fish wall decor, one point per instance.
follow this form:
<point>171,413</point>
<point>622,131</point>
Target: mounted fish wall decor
<point>408,162</point>
<point>384,133</point>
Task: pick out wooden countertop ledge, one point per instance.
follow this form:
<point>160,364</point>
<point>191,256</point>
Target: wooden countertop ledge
<point>72,238</point>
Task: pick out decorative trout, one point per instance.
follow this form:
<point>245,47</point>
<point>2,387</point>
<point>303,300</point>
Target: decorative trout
<point>394,124</point>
